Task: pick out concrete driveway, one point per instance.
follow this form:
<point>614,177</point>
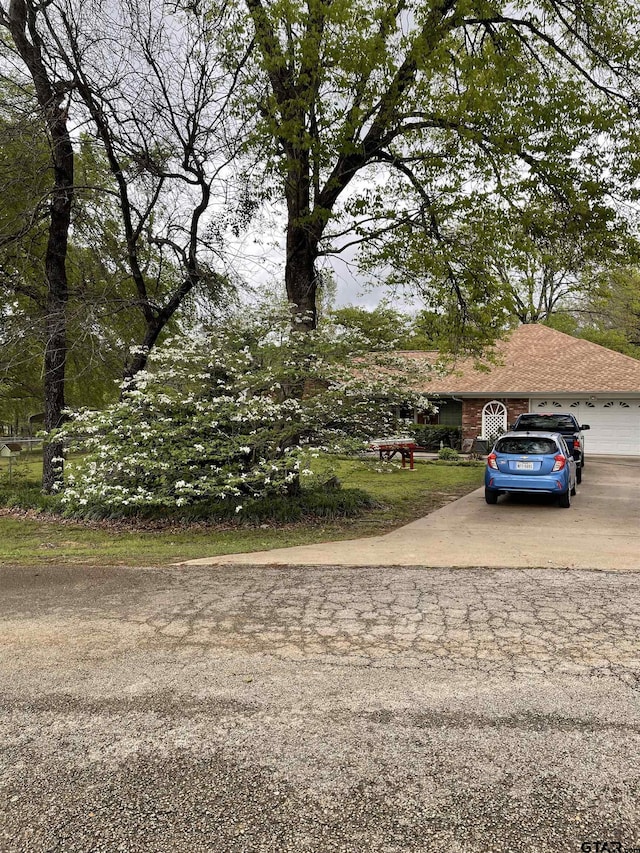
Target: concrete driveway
<point>601,530</point>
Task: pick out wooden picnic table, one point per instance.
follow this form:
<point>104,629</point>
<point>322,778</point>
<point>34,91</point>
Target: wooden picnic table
<point>388,447</point>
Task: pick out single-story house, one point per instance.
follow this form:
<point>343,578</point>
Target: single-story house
<point>539,369</point>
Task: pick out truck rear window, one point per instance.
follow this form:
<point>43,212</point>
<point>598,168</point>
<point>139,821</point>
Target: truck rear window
<point>526,445</point>
<point>547,423</point>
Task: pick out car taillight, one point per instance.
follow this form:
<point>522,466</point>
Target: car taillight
<point>492,461</point>
<point>576,443</point>
<point>559,462</point>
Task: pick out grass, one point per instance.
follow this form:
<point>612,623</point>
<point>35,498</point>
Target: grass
<point>398,496</point>
<point>27,467</point>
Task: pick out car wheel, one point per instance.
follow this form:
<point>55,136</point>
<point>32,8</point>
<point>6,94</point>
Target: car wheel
<point>491,496</point>
<point>582,461</point>
<point>573,489</point>
<point>579,474</point>
<point>565,499</point>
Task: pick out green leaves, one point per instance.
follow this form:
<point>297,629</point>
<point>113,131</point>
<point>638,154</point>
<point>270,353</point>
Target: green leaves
<point>389,123</point>
<point>232,416</point>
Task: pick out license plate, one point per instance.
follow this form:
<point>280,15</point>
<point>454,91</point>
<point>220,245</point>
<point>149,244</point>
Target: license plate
<point>524,466</point>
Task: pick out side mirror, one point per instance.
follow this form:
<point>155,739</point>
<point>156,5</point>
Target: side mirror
<point>585,426</point>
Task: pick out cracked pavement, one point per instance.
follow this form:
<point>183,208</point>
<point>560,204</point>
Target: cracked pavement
<point>318,709</point>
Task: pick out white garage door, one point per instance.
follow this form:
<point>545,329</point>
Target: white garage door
<point>615,424</point>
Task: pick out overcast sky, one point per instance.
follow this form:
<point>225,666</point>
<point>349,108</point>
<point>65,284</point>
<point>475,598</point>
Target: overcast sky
<point>259,258</point>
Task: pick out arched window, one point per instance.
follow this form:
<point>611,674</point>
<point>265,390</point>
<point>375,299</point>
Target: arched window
<point>494,419</point>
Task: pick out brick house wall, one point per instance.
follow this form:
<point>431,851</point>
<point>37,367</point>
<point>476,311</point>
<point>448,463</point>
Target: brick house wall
<point>472,413</point>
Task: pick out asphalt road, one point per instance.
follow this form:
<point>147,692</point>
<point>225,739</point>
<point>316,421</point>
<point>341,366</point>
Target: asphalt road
<point>319,709</point>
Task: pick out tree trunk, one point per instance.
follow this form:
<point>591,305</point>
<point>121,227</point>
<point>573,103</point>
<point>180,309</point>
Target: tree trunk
<point>138,361</point>
<point>55,354</point>
<point>21,23</point>
<point>303,237</point>
<point>156,322</point>
<point>301,276</point>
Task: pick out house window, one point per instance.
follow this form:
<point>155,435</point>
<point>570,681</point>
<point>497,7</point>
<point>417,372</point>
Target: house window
<point>494,419</point>
<point>407,413</point>
<point>544,404</point>
<point>449,413</point>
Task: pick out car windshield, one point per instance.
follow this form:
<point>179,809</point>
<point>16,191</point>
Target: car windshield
<point>547,423</point>
<point>527,445</point>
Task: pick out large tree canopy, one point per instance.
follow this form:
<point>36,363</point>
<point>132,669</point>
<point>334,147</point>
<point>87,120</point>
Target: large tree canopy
<point>423,132</point>
<point>148,81</point>
<point>383,122</point>
<point>393,125</point>
<point>141,80</point>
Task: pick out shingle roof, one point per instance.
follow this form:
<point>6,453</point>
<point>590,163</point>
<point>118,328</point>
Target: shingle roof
<point>537,359</point>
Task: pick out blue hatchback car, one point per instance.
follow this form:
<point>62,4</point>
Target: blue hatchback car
<point>535,462</point>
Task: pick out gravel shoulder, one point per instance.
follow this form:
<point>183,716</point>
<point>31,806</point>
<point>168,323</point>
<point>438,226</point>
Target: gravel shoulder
<point>318,709</point>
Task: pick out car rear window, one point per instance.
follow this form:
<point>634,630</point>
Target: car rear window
<point>526,445</point>
<point>547,423</point>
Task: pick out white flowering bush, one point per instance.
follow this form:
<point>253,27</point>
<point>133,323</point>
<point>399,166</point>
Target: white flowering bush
<point>231,416</point>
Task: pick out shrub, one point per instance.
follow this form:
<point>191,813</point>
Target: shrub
<point>430,436</point>
<point>229,417</point>
<point>448,454</point>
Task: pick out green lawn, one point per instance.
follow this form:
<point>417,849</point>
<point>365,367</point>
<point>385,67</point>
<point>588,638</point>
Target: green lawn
<point>401,496</point>
<point>27,466</point>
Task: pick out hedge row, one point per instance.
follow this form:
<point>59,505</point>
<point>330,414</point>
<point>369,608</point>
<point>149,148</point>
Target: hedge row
<point>433,436</point>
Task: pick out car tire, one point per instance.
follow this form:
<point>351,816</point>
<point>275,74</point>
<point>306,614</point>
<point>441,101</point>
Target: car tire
<point>491,496</point>
<point>579,474</point>
<point>582,461</point>
<point>573,489</point>
<point>565,499</point>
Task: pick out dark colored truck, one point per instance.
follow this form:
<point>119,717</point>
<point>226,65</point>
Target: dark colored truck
<point>562,422</point>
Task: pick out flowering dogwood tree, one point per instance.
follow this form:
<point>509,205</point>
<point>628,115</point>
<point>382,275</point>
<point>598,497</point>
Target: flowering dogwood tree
<point>233,415</point>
